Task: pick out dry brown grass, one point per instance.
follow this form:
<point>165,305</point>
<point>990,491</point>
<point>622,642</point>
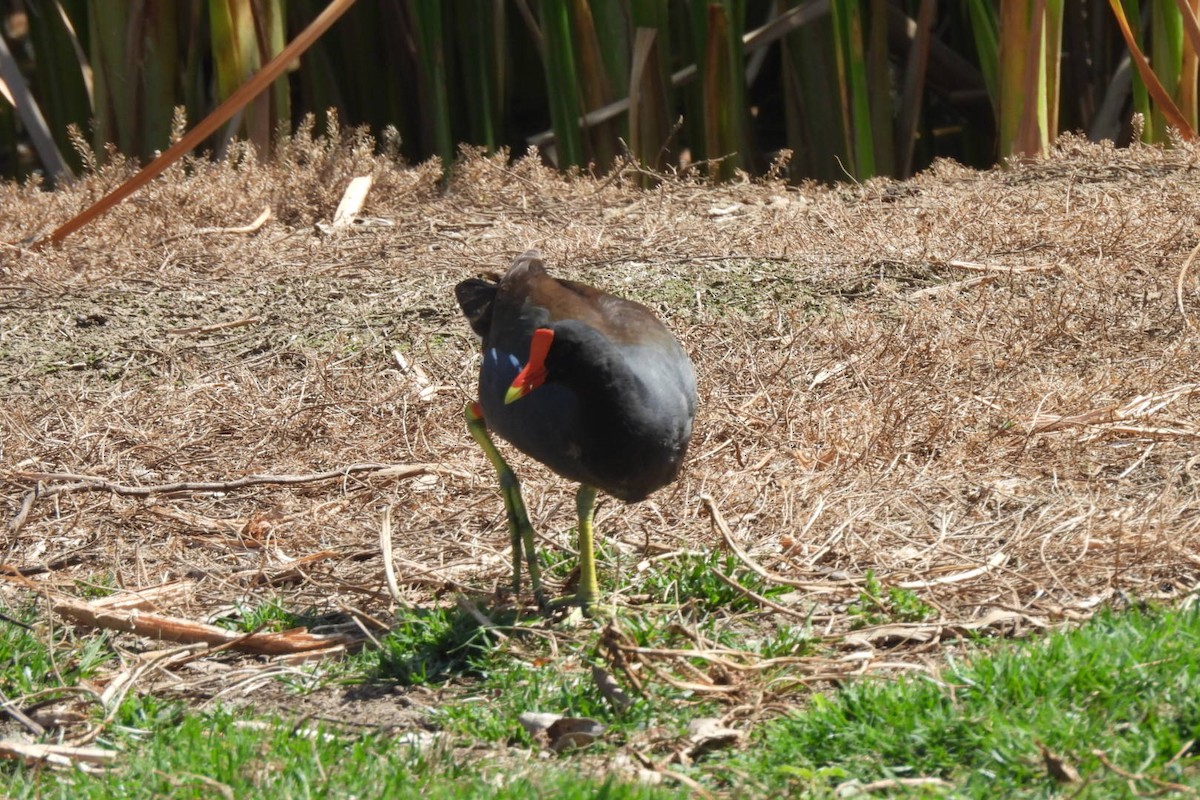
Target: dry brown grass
<point>977,385</point>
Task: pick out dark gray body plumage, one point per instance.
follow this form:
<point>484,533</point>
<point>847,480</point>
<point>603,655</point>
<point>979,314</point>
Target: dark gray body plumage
<point>616,409</point>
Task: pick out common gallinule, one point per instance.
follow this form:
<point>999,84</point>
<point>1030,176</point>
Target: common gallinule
<point>593,386</point>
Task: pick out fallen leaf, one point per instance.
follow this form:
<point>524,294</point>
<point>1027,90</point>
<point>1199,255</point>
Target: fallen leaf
<point>537,722</point>
<point>560,733</point>
<point>1058,767</point>
<point>887,635</point>
<point>617,697</point>
<point>707,734</point>
<point>572,733</point>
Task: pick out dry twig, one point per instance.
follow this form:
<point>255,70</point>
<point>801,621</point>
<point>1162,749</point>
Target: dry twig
<point>758,598</point>
<point>727,535</point>
<point>219,326</point>
<point>175,629</point>
<point>1180,282</point>
<point>89,483</point>
<point>58,755</point>
<point>389,567</point>
<point>253,227</point>
<point>1139,776</point>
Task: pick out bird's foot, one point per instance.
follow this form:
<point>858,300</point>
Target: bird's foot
<point>572,616</point>
<point>543,604</point>
<point>575,607</point>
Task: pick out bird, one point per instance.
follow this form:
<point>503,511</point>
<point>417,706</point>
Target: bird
<point>592,385</point>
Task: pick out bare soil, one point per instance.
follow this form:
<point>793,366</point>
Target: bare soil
<point>983,388</point>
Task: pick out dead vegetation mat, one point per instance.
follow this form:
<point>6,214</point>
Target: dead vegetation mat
<point>982,389</point>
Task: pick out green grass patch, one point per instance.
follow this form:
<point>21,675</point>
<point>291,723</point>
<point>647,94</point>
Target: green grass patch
<point>433,645</point>
<point>495,680</point>
<point>98,586</point>
<point>28,664</point>
<point>1127,684</point>
<point>172,753</point>
<point>166,749</point>
<point>269,616</point>
<point>879,606</point>
<point>689,590</point>
<point>691,581</point>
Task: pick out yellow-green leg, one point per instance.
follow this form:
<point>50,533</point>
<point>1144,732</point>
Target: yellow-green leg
<point>585,508</point>
<point>519,528</point>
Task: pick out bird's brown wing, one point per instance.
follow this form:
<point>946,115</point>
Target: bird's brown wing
<point>623,321</point>
<point>528,286</point>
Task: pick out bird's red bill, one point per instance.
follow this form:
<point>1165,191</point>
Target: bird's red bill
<point>534,373</point>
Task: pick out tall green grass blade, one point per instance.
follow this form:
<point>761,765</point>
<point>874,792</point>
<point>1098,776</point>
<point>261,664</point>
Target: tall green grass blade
<point>649,125</point>
<point>108,24</point>
<point>232,44</point>
<point>687,26</point>
<point>1132,13</point>
<point>1023,115</point>
<point>562,82</point>
<point>273,38</point>
<point>1052,63</point>
<point>914,86</point>
<point>879,91</point>
<point>650,95</point>
<point>135,59</point>
<point>722,90</point>
<point>1166,54</point>
<point>426,16</point>
<point>12,82</point>
<point>1153,86</point>
<point>654,14</point>
<point>852,77</point>
<point>62,78</point>
<point>815,109</point>
<point>1188,89</point>
<point>1014,24</point>
<point>235,58</point>
<point>245,35</point>
<point>157,71</point>
<point>985,29</point>
<point>714,74</point>
<point>195,83</point>
<point>481,37</point>
<point>614,26</point>
<point>1031,132</point>
<point>595,88</point>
